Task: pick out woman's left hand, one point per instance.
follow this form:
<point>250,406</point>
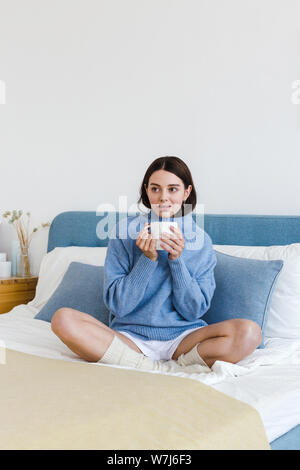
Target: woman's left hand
<point>173,244</point>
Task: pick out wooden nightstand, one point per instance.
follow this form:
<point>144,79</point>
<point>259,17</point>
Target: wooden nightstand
<point>15,291</point>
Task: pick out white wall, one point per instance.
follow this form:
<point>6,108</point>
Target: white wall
<point>96,89</point>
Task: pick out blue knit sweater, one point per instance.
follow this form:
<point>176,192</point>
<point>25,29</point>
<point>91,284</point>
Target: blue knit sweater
<point>158,300</point>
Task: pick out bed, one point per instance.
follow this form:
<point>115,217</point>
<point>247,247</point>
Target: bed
<point>262,392</point>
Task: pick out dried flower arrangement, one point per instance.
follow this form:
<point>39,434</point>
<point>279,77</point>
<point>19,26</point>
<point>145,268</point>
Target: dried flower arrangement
<point>24,233</point>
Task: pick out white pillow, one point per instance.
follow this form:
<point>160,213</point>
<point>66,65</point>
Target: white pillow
<point>284,315</point>
<point>54,265</point>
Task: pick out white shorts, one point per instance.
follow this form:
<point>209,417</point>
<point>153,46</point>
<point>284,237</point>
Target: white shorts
<point>159,350</point>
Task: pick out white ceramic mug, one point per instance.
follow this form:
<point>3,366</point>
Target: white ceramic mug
<point>157,228</point>
<point>2,256</point>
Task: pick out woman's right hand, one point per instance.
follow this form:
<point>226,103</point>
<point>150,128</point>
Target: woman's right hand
<point>147,244</point>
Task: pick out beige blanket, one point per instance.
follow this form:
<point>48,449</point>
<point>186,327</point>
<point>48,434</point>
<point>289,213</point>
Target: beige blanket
<point>52,404</point>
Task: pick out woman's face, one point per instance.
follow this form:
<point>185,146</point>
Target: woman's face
<point>166,193</point>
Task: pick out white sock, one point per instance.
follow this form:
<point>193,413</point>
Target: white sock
<point>120,353</point>
<point>192,357</point>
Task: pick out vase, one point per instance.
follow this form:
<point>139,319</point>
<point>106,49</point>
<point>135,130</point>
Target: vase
<point>24,264</point>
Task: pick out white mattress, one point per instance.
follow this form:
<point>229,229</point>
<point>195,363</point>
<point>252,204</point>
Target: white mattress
<point>268,379</point>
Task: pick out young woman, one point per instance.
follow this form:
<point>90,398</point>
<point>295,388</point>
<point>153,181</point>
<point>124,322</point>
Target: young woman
<point>157,297</point>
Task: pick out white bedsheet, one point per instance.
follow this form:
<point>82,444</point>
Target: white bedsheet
<point>268,379</point>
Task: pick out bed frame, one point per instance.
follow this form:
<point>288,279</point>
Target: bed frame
<point>79,228</point>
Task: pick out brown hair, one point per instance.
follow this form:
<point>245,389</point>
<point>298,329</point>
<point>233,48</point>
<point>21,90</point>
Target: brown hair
<point>180,169</point>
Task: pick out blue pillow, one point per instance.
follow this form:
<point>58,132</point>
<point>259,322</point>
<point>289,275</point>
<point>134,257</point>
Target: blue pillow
<point>82,289</point>
<point>244,289</point>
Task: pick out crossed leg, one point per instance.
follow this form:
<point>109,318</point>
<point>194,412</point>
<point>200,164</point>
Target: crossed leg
<point>229,340</point>
<point>86,336</point>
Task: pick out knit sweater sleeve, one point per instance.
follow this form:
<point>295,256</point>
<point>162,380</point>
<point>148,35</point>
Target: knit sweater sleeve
<point>191,295</point>
<point>124,288</point>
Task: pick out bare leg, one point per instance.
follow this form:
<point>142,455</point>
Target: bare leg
<point>85,335</point>
<point>230,341</point>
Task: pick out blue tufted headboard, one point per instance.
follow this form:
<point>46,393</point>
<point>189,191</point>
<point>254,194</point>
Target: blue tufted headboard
<point>79,228</point>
